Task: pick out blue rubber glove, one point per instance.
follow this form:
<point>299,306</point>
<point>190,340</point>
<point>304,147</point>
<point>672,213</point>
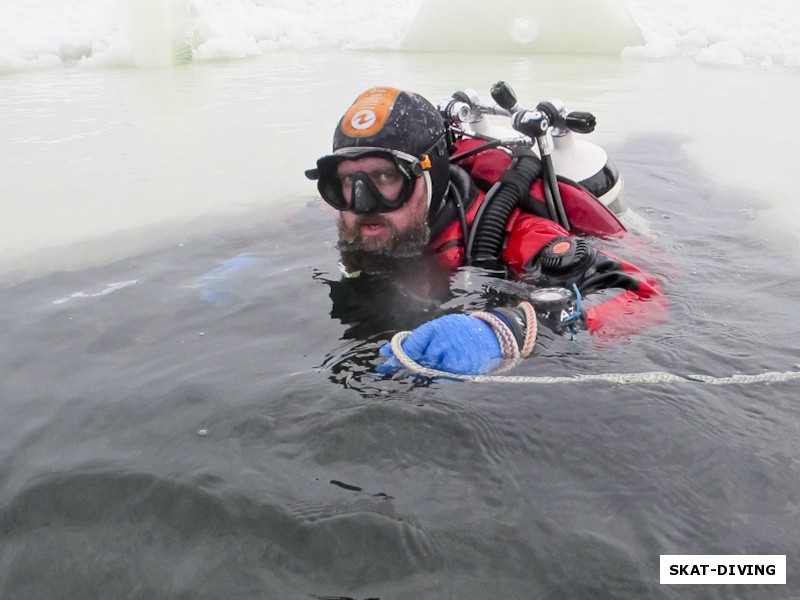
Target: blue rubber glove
<point>453,343</point>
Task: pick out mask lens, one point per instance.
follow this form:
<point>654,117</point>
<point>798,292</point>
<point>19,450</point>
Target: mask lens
<point>387,180</point>
<point>389,184</point>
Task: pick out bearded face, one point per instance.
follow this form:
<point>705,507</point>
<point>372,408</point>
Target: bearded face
<point>379,253</point>
<point>368,239</point>
<point>377,233</point>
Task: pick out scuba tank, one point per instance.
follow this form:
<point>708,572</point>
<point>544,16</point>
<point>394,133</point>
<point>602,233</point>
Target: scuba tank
<point>548,130</point>
<point>579,184</point>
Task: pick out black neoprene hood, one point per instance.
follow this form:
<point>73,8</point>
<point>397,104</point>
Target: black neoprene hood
<point>386,117</point>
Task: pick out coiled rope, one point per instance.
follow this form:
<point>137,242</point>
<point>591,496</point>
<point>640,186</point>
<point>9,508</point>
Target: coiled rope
<point>615,378</point>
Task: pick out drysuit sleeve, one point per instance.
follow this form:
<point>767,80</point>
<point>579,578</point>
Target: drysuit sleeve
<point>541,251</point>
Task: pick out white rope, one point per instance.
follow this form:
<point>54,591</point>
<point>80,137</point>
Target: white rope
<point>616,378</point>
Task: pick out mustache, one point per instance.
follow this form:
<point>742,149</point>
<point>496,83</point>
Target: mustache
<point>371,219</point>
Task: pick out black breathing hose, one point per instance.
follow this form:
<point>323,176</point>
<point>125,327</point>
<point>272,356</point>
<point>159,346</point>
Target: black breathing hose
<point>550,202</point>
<point>488,232</point>
<point>554,202</point>
<point>477,150</point>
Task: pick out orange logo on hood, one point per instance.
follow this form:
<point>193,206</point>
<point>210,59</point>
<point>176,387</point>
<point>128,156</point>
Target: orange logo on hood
<point>369,112</point>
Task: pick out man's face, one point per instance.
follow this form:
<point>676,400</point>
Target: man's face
<point>401,232</point>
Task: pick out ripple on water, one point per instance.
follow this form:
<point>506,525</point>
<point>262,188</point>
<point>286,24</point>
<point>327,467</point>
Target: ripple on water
<point>86,529</point>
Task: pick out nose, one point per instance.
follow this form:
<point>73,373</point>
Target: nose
<point>362,199</point>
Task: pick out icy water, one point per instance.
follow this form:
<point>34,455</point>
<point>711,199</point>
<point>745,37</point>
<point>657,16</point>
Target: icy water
<point>189,405</point>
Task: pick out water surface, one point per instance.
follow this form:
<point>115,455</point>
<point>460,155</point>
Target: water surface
<point>169,433</point>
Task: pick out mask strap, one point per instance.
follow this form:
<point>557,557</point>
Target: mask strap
<point>438,146</point>
<point>426,176</point>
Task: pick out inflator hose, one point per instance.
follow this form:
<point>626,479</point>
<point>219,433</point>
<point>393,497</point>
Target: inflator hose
<point>488,231</point>
<point>552,194</point>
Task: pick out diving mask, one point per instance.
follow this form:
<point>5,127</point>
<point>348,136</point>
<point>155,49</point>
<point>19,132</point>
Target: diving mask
<point>377,189</point>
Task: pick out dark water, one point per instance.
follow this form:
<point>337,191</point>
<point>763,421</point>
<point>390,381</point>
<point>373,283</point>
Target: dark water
<point>226,438</point>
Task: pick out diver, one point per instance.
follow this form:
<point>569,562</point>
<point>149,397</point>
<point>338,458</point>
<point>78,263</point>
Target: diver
<point>399,195</point>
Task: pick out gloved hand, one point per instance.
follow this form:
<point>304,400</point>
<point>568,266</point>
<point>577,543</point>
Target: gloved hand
<point>454,343</point>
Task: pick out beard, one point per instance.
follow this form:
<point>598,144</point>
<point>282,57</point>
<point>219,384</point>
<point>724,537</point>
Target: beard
<point>400,244</point>
<point>370,255</point>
